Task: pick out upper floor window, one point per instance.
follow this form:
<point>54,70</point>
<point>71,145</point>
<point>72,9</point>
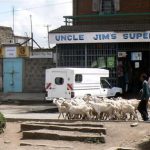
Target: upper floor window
<point>106,6</point>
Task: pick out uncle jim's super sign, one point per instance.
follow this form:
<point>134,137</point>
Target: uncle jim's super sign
<point>99,37</point>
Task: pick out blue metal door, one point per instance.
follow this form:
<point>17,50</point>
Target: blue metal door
<point>12,74</point>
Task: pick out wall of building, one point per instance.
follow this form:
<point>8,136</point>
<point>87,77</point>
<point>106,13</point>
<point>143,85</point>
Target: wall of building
<point>1,74</point>
<point>34,74</point>
<point>81,7</point>
<point>6,35</point>
<point>134,5</point>
<point>84,7</point>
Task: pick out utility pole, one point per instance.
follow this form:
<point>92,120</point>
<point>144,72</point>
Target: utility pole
<point>13,24</point>
<point>31,32</point>
<point>47,26</point>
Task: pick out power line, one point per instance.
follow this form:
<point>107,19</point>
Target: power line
<point>37,7</point>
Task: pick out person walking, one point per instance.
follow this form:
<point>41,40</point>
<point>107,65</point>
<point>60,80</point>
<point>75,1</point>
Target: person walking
<point>143,104</point>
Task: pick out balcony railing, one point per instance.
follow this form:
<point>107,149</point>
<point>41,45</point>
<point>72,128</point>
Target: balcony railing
<point>98,18</point>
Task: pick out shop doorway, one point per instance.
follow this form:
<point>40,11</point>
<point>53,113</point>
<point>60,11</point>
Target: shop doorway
<point>140,66</point>
<point>130,70</point>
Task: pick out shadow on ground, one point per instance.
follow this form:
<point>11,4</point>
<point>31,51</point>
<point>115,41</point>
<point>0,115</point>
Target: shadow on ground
<point>145,145</point>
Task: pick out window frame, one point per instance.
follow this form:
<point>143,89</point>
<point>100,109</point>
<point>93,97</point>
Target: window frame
<point>59,79</point>
<point>79,77</point>
<point>108,9</point>
<point>106,82</point>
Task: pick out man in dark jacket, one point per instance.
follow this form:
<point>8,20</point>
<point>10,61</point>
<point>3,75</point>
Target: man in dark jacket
<point>143,104</point>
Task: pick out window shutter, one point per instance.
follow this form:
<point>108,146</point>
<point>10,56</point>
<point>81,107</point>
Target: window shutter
<point>95,5</point>
<point>117,5</point>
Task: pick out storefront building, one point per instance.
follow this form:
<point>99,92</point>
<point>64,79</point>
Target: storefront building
<point>116,40</point>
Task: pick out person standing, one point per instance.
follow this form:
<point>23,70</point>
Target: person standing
<point>143,104</point>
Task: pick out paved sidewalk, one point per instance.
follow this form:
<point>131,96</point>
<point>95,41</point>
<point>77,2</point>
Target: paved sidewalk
<point>32,116</point>
<point>22,97</point>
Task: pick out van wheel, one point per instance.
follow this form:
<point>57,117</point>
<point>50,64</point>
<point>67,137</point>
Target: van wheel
<point>117,95</point>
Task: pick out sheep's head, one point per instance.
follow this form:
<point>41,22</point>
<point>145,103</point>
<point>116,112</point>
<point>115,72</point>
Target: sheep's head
<point>54,100</point>
<point>61,98</point>
<point>66,104</point>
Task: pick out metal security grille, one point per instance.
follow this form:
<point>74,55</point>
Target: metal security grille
<point>71,55</point>
<point>105,55</point>
<point>99,55</point>
<point>88,55</point>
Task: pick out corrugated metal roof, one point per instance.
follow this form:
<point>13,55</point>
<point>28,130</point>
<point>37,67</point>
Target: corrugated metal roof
<point>102,28</point>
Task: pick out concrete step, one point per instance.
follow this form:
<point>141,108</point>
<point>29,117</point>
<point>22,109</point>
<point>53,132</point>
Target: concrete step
<point>68,123</point>
<point>121,148</point>
<point>36,126</point>
<point>64,135</point>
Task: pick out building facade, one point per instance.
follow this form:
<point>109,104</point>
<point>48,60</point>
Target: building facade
<point>22,69</point>
<point>111,34</point>
<point>6,35</point>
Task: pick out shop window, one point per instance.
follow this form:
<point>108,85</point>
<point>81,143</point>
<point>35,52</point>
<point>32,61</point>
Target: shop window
<point>78,78</point>
<point>59,81</point>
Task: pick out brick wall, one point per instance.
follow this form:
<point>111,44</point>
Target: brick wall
<point>81,7</point>
<point>34,74</point>
<point>84,7</point>
<point>135,6</point>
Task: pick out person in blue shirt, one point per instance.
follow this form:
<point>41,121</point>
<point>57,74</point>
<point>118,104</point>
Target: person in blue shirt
<point>143,104</point>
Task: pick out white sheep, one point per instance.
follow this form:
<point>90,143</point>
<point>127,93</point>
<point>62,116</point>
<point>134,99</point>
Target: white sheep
<point>73,110</point>
<point>61,109</point>
<point>106,108</point>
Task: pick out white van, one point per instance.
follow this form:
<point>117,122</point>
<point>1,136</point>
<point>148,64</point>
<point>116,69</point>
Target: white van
<point>76,82</point>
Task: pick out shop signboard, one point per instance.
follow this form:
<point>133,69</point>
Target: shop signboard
<point>101,62</point>
<point>136,56</point>
<point>99,37</point>
<point>110,62</point>
<point>122,54</point>
<point>23,51</point>
<point>41,55</point>
<point>10,52</point>
<point>15,51</point>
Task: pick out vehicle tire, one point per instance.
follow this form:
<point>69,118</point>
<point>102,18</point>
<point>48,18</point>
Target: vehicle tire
<point>117,95</point>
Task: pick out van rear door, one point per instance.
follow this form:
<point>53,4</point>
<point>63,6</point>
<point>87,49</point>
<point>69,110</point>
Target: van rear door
<point>59,84</point>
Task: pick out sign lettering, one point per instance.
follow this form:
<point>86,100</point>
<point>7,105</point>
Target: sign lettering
<point>99,37</point>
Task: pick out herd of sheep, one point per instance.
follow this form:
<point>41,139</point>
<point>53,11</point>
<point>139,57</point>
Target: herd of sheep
<point>95,108</point>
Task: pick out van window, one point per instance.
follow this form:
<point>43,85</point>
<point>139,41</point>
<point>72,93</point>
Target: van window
<point>105,84</point>
<point>59,80</point>
<point>78,78</point>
